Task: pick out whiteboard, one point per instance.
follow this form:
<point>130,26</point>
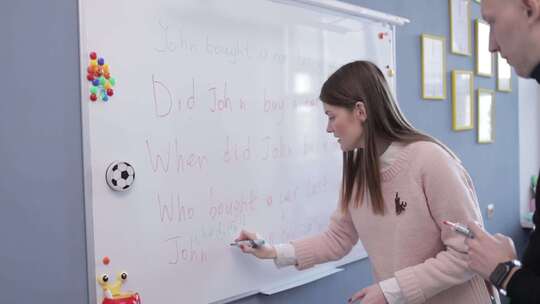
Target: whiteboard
<point>216,107</point>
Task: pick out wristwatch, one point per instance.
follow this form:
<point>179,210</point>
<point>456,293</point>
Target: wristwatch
<point>501,272</point>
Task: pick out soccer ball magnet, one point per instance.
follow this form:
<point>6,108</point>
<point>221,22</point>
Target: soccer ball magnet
<point>120,176</point>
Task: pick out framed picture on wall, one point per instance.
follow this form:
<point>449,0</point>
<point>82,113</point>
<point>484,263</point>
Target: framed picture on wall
<point>433,67</point>
<point>504,74</point>
<point>460,27</point>
<point>484,58</point>
<point>486,116</point>
<point>462,100</point>
<point>478,1</point>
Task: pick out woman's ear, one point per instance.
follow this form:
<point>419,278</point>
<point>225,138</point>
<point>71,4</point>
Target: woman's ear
<point>360,111</point>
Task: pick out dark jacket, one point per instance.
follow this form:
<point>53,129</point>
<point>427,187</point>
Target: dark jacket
<point>524,286</point>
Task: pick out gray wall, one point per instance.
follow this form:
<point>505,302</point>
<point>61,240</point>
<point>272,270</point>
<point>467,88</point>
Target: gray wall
<point>42,251</point>
<point>42,256</point>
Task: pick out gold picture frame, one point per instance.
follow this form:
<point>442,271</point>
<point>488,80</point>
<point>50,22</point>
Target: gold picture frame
<point>433,58</point>
<point>484,58</point>
<point>504,75</point>
<point>460,21</point>
<point>486,116</point>
<point>462,100</point>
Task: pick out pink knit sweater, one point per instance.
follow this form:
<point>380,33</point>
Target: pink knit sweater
<point>422,188</point>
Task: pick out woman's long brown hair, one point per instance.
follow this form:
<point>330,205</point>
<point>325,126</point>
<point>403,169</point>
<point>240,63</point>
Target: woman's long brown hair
<point>363,81</point>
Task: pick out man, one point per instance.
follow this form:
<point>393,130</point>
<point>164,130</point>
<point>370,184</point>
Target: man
<point>515,33</point>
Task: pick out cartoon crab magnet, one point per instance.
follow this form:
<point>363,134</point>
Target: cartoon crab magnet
<point>112,293</point>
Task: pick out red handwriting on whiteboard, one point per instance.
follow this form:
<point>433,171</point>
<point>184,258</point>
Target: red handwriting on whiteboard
<point>232,207</point>
<point>173,210</point>
<point>274,105</point>
<point>276,148</point>
<point>316,187</point>
<point>222,102</point>
<point>237,151</point>
<point>184,250</point>
<point>269,200</point>
<point>222,230</point>
<point>289,195</point>
<point>181,160</point>
<point>286,196</point>
<point>307,104</point>
<point>230,50</point>
<point>174,40</point>
<point>165,101</point>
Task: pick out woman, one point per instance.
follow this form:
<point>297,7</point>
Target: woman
<point>398,187</point>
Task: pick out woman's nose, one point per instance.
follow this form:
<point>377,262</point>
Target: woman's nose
<point>329,128</point>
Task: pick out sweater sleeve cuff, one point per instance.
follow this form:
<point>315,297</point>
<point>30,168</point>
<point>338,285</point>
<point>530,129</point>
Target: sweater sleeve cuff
<point>285,255</point>
<point>304,254</point>
<point>392,292</point>
<point>409,286</point>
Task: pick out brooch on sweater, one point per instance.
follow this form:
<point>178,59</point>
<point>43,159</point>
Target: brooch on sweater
<point>400,206</point>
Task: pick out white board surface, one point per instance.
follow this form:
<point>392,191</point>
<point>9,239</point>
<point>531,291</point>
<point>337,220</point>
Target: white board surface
<point>216,107</point>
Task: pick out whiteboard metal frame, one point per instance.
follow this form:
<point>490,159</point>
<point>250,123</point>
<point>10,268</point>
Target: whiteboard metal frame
<point>357,11</point>
<point>350,9</point>
<point>87,164</point>
<point>331,5</point>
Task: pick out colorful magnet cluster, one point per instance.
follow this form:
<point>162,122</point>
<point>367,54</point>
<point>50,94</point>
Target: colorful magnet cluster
<point>99,75</point>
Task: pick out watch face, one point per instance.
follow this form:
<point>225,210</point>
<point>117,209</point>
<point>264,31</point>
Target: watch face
<point>498,274</point>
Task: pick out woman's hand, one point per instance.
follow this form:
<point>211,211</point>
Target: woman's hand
<point>369,295</point>
<point>265,251</point>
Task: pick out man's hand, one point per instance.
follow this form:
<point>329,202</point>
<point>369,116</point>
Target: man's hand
<point>486,251</point>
